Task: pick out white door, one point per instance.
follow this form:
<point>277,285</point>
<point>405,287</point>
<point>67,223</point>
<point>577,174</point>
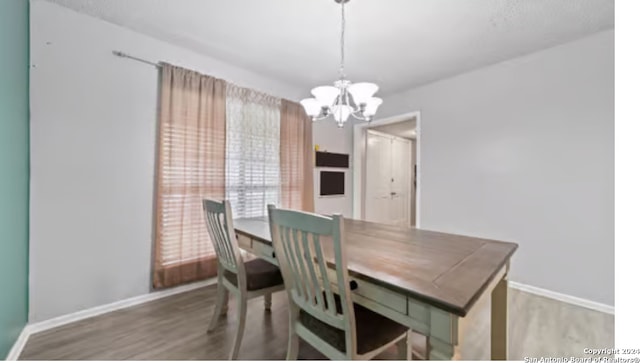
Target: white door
<point>388,179</point>
<point>400,182</point>
<point>378,178</point>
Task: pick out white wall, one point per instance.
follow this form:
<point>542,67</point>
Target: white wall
<point>93,118</point>
<point>523,151</point>
<point>413,182</point>
<point>331,138</point>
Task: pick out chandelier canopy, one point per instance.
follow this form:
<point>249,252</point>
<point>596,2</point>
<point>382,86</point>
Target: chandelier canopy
<point>343,99</point>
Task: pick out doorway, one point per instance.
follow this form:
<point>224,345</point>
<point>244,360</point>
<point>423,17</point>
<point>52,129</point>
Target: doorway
<point>387,169</point>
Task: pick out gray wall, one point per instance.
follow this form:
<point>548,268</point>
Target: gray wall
<point>14,170</point>
<point>93,150</point>
<point>523,151</point>
<point>329,137</point>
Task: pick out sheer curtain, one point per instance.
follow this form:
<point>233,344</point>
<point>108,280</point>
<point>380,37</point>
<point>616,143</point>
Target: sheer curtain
<point>253,151</point>
<point>296,157</point>
<point>190,166</point>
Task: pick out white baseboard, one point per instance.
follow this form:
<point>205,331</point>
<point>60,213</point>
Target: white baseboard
<point>604,308</point>
<point>103,309</point>
<point>15,351</point>
<point>98,310</point>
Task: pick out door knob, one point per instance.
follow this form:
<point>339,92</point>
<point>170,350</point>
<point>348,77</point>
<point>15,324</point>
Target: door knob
<point>393,193</point>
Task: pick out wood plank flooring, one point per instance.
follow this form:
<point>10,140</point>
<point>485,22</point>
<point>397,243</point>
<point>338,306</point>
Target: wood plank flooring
<point>174,328</point>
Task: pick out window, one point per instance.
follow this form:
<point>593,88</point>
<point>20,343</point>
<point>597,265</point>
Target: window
<point>185,182</point>
<point>190,166</point>
<point>253,151</point>
<point>218,140</point>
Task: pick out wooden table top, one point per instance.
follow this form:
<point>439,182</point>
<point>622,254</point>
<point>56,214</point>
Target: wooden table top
<point>445,270</point>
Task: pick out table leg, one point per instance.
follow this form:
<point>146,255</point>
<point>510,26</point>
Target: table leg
<point>225,299</point>
<point>427,348</point>
<point>418,353</point>
<point>267,302</point>
<point>443,337</point>
<point>499,321</point>
<point>439,350</point>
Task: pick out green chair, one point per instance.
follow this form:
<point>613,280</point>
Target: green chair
<point>322,315</point>
<point>245,280</point>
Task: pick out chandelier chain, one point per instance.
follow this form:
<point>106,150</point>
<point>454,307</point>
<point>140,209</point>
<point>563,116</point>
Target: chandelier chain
<point>342,75</point>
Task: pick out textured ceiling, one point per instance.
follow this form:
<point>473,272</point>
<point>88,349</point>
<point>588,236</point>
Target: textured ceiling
<point>397,43</point>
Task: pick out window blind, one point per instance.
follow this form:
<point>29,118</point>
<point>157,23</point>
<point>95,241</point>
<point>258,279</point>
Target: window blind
<point>252,151</point>
<point>190,167</point>
<point>185,176</point>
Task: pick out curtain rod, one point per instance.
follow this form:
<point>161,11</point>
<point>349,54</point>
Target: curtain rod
<point>120,54</point>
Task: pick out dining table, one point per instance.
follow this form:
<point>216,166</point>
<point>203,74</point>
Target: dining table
<point>423,279</point>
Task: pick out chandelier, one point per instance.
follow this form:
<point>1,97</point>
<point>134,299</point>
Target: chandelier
<point>344,98</point>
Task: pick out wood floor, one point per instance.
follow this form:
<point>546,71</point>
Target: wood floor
<point>174,328</point>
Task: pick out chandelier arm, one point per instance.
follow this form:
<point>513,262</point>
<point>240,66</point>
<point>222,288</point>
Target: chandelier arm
<point>321,117</point>
<point>336,102</point>
<point>351,102</point>
<point>359,117</point>
<point>356,107</point>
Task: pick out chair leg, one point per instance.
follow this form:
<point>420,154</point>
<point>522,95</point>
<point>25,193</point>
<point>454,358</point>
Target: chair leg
<point>294,342</point>
<point>267,302</point>
<point>242,317</point>
<point>404,347</point>
<point>221,302</point>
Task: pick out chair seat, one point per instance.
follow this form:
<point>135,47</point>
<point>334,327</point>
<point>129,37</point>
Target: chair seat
<point>260,275</point>
<point>372,329</point>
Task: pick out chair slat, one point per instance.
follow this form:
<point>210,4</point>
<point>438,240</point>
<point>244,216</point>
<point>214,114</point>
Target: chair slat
<point>214,233</point>
<point>225,257</point>
<point>325,276</point>
<point>336,321</point>
<point>215,216</point>
<point>313,271</point>
<point>303,268</point>
<point>225,240</point>
<point>293,265</point>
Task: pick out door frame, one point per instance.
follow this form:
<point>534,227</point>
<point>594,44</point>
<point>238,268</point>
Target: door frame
<point>359,131</point>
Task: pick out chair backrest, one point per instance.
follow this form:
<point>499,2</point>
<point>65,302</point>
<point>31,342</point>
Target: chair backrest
<point>219,221</point>
<point>300,240</point>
